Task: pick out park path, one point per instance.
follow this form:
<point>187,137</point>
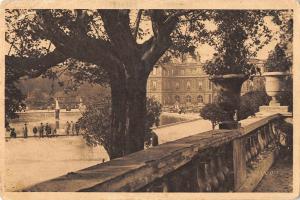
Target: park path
<point>183,129</point>
<point>52,157</point>
<point>279,178</point>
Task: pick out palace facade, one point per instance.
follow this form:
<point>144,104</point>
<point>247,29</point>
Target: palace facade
<point>187,84</point>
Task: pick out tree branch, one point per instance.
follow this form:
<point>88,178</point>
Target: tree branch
<point>137,24</point>
<point>162,25</point>
<point>176,15</point>
<point>33,67</point>
<point>79,46</point>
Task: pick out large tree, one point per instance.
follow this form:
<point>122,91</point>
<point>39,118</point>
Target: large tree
<point>121,46</point>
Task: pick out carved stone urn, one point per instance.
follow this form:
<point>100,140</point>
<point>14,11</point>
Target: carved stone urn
<point>229,86</point>
<point>275,84</point>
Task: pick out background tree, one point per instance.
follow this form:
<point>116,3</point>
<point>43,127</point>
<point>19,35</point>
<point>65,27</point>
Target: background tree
<point>277,60</point>
<point>220,110</point>
<point>214,113</point>
<point>239,35</point>
<point>250,103</point>
<point>96,120</point>
<point>113,46</point>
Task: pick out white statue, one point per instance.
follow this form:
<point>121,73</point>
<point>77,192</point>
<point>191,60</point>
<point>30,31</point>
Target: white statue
<point>56,104</point>
<point>81,106</point>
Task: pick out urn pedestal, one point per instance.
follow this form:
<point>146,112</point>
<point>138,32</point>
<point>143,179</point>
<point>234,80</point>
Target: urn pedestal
<point>275,85</point>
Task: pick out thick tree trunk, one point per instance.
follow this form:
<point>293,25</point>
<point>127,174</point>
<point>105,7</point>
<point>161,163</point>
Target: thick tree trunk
<point>128,113</point>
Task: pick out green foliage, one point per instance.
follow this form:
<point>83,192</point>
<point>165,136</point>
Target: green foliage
<point>215,113</point>
<point>154,109</point>
<point>14,99</point>
<point>285,98</point>
<point>31,36</point>
<point>222,109</point>
<point>96,120</point>
<point>14,102</point>
<point>278,60</point>
<point>250,102</point>
<point>238,37</point>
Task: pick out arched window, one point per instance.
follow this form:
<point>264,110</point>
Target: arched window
<point>177,85</point>
<point>200,85</point>
<point>188,99</point>
<point>182,72</point>
<point>166,100</point>
<point>188,85</point>
<point>154,85</point>
<point>154,70</point>
<point>209,85</point>
<point>200,99</point>
<point>177,98</point>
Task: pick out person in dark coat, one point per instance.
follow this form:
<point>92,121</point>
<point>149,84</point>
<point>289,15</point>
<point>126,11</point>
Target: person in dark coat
<point>13,133</point>
<point>77,128</point>
<point>67,128</point>
<point>48,130</point>
<point>41,130</point>
<point>34,130</point>
<point>154,139</point>
<point>72,128</point>
<point>25,131</point>
<point>54,132</point>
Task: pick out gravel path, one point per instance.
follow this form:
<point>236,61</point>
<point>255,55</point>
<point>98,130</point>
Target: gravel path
<point>279,178</point>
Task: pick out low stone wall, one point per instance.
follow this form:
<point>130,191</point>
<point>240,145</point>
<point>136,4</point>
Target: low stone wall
<point>212,161</point>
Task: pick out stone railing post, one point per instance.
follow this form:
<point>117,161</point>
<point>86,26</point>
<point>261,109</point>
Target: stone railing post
<point>239,161</point>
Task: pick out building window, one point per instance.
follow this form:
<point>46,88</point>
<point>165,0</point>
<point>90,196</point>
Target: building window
<point>166,100</point>
<point>172,72</point>
<point>154,85</point>
<point>209,98</point>
<point>200,99</point>
<point>209,85</point>
<point>182,72</point>
<point>200,85</point>
<point>154,72</point>
<point>177,85</point>
<point>188,99</point>
<point>188,85</point>
<point>177,98</point>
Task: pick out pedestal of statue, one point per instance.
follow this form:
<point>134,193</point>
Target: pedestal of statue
<point>229,125</point>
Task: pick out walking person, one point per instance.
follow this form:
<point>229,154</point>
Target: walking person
<point>77,128</point>
<point>25,131</point>
<point>41,130</point>
<point>13,133</point>
<point>34,130</point>
<point>67,128</point>
<point>72,128</point>
<point>154,139</point>
<point>54,132</point>
<point>48,130</point>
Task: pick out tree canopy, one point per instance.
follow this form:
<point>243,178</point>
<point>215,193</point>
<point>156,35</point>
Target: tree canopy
<point>121,47</point>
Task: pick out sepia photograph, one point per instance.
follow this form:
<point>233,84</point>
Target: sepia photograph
<point>145,100</point>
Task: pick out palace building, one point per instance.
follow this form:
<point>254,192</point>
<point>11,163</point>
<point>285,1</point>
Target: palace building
<point>187,84</point>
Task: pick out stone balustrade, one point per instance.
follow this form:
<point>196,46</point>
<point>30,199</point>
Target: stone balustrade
<point>212,161</point>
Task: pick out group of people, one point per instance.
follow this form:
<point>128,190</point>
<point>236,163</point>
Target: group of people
<point>72,128</point>
<point>13,133</point>
<point>44,130</point>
